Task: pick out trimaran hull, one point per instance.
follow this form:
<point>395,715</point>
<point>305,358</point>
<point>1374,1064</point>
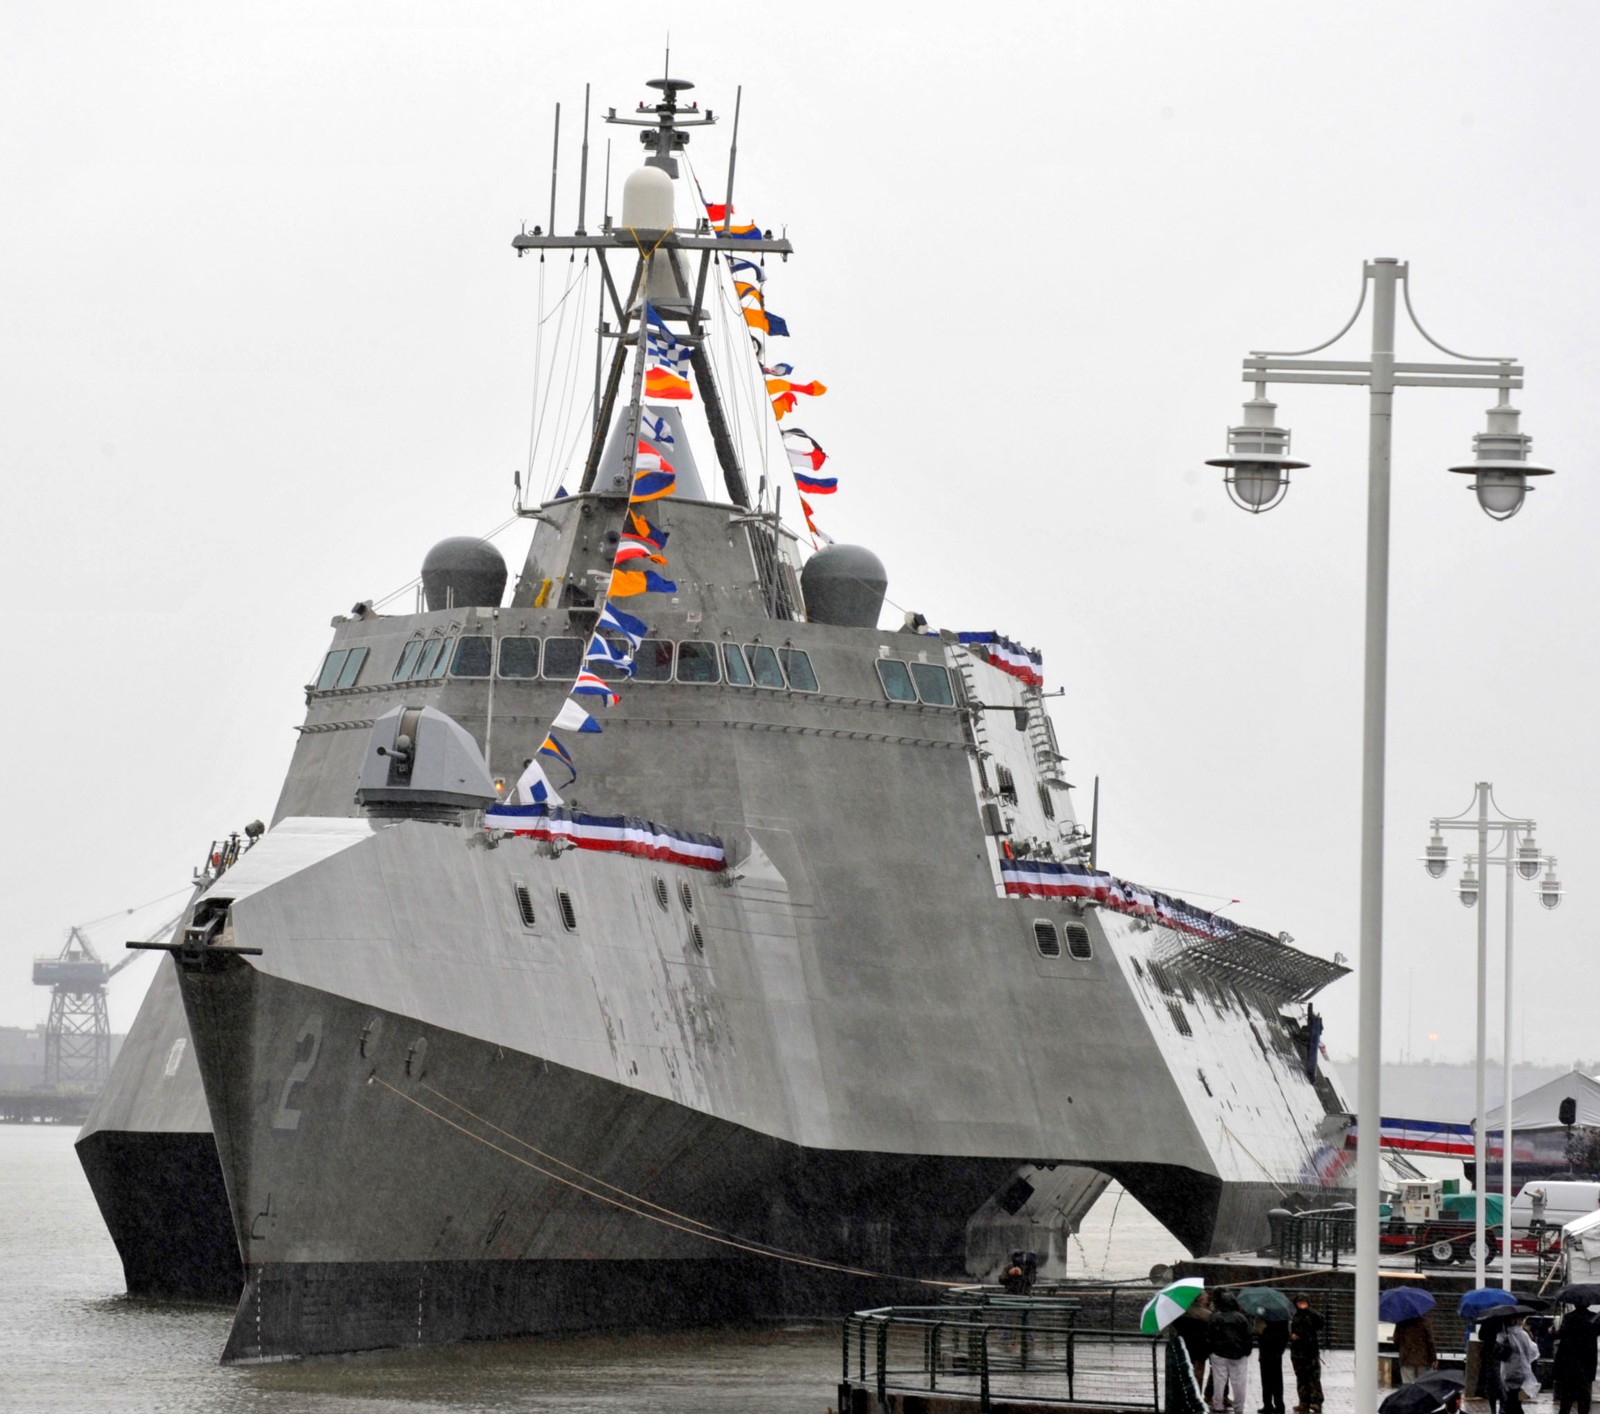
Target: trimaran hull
<point>471,1078</point>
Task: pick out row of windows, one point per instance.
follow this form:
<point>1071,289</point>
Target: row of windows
<point>656,660</point>
<point>558,659</point>
<point>916,682</point>
<point>341,668</point>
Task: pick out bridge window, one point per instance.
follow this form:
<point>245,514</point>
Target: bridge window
<point>933,684</point>
<point>561,657</point>
<point>431,662</point>
<point>896,680</point>
<point>733,662</point>
<point>408,660</point>
<point>474,655</point>
<point>763,665</point>
<point>652,661</point>
<point>341,668</point>
<point>797,666</point>
<point>519,658</point>
<point>697,662</point>
<point>352,667</point>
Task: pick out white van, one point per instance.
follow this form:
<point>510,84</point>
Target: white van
<point>1564,1200</point>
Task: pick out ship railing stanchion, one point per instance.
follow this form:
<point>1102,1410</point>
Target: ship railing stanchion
<point>983,1369</point>
<point>883,1360</point>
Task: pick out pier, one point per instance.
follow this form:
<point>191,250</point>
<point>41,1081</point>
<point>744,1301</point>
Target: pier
<point>43,1107</point>
<point>1071,1347</point>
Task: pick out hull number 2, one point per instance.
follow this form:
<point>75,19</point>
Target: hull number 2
<point>307,1046</point>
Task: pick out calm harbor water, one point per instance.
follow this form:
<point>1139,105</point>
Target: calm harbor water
<point>71,1340</point>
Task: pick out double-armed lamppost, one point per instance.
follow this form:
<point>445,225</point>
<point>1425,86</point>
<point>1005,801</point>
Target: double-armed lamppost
<point>1257,476</point>
<point>1520,856</point>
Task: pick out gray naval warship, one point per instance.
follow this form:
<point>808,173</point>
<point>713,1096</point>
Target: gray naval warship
<point>805,990</point>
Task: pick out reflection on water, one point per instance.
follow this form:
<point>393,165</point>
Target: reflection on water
<point>67,1342</point>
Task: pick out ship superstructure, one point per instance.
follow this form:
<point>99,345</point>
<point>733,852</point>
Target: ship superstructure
<point>804,970</point>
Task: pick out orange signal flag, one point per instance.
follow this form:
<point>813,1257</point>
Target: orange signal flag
<point>658,383</point>
<point>812,389</point>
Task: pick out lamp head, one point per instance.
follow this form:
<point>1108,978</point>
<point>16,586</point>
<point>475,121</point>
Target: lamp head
<point>1500,463</point>
<point>1469,884</point>
<point>1258,463</point>
<point>1436,858</point>
<point>1550,890</point>
<point>1528,860</point>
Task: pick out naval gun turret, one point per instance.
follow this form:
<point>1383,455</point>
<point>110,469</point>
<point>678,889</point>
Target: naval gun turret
<point>422,765</point>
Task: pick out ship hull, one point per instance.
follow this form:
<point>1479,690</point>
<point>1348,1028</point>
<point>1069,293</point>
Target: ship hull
<point>478,1193</point>
<point>638,1127</point>
<point>151,1161</point>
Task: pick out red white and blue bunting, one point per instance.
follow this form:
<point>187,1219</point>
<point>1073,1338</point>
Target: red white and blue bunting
<point>1045,878</point>
<point>1422,1136</point>
<point>614,834</point>
<point>1010,657</point>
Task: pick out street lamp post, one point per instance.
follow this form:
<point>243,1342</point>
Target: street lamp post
<point>1520,856</point>
<point>1257,471</point>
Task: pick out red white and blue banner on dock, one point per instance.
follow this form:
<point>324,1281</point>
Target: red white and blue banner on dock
<point>1421,1136</point>
<point>616,834</point>
<point>1045,878</point>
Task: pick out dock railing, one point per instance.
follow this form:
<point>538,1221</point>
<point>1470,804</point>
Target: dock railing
<point>1028,1348</point>
<point>1322,1237</point>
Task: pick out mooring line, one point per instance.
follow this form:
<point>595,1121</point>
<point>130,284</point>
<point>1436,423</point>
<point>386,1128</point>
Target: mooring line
<point>704,1236</point>
<point>573,1168</point>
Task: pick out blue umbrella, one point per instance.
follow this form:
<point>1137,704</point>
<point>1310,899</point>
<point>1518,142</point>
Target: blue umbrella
<point>1401,1303</point>
<point>1476,1304</point>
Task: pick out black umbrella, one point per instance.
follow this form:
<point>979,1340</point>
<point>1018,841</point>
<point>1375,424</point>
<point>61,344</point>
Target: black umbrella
<point>1446,1381</point>
<point>1427,1395</point>
<point>1579,1295</point>
<point>1490,1323</point>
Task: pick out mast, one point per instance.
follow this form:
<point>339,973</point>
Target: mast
<point>663,133</point>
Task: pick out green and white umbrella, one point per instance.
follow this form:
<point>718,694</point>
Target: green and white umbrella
<point>1162,1309</point>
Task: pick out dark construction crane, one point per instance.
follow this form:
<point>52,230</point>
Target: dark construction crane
<point>77,1037</point>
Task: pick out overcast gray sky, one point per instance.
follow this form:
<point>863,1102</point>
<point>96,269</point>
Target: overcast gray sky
<point>263,342</point>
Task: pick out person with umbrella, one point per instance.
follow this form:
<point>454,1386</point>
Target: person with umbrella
<point>1271,1309</point>
<point>1305,1354</point>
<point>1194,1325</point>
<point>1414,1344</point>
<point>1408,1308</point>
<point>1230,1339</point>
<point>1486,1308</point>
<point>1574,1368</point>
<point>1516,1352</point>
